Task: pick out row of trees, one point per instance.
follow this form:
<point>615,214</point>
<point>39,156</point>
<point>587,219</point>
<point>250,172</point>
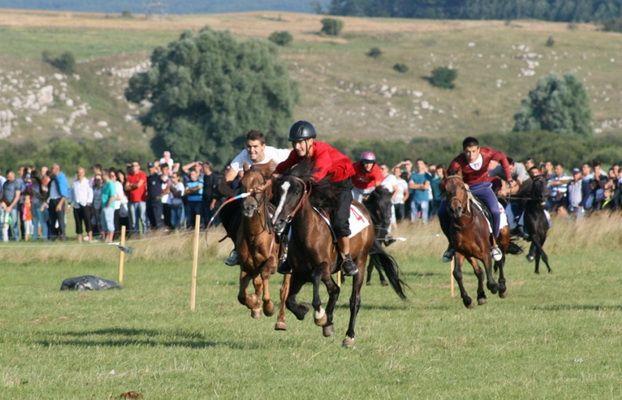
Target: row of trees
<point>553,10</point>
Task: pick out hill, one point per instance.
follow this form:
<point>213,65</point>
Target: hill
<point>347,94</point>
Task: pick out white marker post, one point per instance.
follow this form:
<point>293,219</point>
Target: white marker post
<point>195,262</point>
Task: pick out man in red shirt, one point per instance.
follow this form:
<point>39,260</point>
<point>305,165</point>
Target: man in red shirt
<point>473,163</point>
<point>136,188</point>
<point>333,165</point>
<point>367,175</point>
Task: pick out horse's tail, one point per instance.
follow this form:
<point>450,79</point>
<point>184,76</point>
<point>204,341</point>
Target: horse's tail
<point>390,267</point>
<point>514,247</point>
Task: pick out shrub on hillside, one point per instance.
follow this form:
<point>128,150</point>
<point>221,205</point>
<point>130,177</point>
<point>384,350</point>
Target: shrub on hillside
<point>556,105</point>
<point>332,26</point>
<point>281,38</point>
<point>66,62</point>
<point>401,68</point>
<point>613,25</point>
<point>374,52</point>
<point>550,42</point>
<point>443,77</point>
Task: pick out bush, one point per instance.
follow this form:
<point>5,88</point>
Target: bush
<point>443,77</point>
<point>374,52</point>
<point>332,26</point>
<point>401,68</point>
<point>66,62</point>
<point>282,38</point>
<point>556,105</point>
<point>126,14</point>
<point>550,42</point>
<point>613,25</point>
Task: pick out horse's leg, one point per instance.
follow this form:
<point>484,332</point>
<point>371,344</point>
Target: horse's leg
<point>466,300</point>
<point>254,299</point>
<point>319,317</point>
<point>481,295</point>
<point>268,306</point>
<point>369,270</point>
<point>299,310</point>
<point>355,301</point>
<point>545,257</point>
<point>490,279</point>
<point>280,320</point>
<point>244,281</point>
<point>502,288</point>
<point>333,295</point>
<point>383,280</point>
<point>537,254</point>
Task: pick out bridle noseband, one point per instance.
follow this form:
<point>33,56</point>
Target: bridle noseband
<point>305,194</point>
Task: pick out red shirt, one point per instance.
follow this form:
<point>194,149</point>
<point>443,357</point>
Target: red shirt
<point>327,161</point>
<point>472,176</point>
<point>140,193</point>
<point>363,179</point>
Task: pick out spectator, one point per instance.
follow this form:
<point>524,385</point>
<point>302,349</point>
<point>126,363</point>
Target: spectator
<point>136,187</point>
<point>96,217</point>
<point>194,196</point>
<point>118,196</point>
<point>598,170</point>
<point>166,159</point>
<point>389,182</point>
<point>211,179</point>
<point>59,192</point>
<point>558,186</point>
<point>586,178</point>
<point>154,196</point>
<point>11,193</point>
<point>435,176</point>
<point>401,195</point>
<point>82,201</point>
<point>109,197</point>
<point>575,194</point>
<point>165,178</point>
<point>2,180</point>
<point>39,221</point>
<point>27,218</point>
<point>529,164</point>
<point>175,201</point>
<point>420,185</point>
<point>124,212</point>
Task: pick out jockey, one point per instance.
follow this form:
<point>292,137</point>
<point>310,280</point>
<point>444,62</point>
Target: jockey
<point>255,153</point>
<point>367,175</point>
<point>473,164</point>
<point>333,165</point>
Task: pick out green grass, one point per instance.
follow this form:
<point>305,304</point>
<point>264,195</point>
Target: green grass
<point>555,336</point>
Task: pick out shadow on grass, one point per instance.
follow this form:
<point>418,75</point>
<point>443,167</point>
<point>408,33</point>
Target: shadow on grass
<point>384,307</point>
<point>124,337</point>
<point>421,274</point>
<point>578,307</point>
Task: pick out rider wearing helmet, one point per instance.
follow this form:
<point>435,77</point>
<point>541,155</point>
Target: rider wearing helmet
<point>329,163</point>
<point>473,164</point>
<point>367,175</point>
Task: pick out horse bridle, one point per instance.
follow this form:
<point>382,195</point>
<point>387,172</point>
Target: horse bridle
<point>468,190</point>
<point>305,194</point>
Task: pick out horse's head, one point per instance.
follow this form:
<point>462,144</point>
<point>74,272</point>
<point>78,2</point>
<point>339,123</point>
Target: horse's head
<point>252,179</point>
<point>289,194</point>
<point>379,205</point>
<point>457,195</point>
<point>539,189</point>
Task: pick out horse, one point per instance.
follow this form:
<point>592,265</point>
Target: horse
<point>256,243</point>
<point>379,205</point>
<point>469,234</point>
<point>313,254</point>
<point>535,222</point>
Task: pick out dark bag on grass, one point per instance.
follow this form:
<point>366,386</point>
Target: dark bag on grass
<point>88,282</point>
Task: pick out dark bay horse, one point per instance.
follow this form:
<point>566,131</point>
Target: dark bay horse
<point>379,205</point>
<point>470,235</point>
<point>256,243</point>
<point>535,222</point>
<point>313,254</point>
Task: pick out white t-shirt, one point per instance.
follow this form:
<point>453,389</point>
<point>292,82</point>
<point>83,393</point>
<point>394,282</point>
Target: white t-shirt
<point>176,201</point>
<point>402,186</point>
<point>390,182</point>
<point>170,162</point>
<point>270,154</point>
<point>120,194</point>
<point>477,164</point>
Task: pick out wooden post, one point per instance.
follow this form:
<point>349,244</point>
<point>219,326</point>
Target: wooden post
<point>122,256</point>
<point>451,277</point>
<point>195,262</point>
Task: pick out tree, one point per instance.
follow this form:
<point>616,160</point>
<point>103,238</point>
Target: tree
<point>556,105</point>
<point>207,89</point>
<point>281,38</point>
<point>443,77</point>
<point>332,26</point>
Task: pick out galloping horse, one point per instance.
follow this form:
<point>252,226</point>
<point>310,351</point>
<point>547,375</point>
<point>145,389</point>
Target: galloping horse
<point>313,254</point>
<point>255,242</point>
<point>379,205</point>
<point>536,223</point>
<point>469,233</point>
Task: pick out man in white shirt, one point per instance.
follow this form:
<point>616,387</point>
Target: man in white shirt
<point>256,152</point>
<point>390,182</point>
<point>400,197</point>
<point>166,159</point>
<point>82,200</point>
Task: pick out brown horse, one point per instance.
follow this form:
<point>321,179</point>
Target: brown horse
<point>313,254</point>
<point>255,242</point>
<point>470,235</point>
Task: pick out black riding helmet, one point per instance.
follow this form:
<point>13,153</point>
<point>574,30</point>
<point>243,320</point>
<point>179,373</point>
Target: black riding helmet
<point>301,130</point>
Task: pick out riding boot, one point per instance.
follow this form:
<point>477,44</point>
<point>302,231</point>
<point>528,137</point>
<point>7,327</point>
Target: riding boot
<point>233,259</point>
<point>495,251</point>
<point>348,266</point>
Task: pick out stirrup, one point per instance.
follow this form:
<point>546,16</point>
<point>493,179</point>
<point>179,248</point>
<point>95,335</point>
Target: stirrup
<point>496,253</point>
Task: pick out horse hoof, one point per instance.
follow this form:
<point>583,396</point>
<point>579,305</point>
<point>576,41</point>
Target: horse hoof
<point>328,330</point>
<point>348,342</point>
<point>384,283</point>
<point>301,312</point>
<point>468,303</point>
<point>494,288</point>
<point>280,326</point>
<point>481,301</point>
<point>320,318</point>
<point>268,309</point>
<point>503,294</point>
<point>256,313</point>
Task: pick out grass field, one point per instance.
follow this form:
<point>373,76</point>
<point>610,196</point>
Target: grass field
<point>555,336</point>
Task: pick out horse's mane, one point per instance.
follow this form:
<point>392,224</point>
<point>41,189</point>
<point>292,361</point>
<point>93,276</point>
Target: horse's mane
<point>323,195</point>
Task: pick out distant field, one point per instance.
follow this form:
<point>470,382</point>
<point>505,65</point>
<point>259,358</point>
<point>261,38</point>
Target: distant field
<point>555,336</point>
<point>347,94</point>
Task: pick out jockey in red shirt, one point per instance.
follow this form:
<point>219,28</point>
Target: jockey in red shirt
<point>367,175</point>
<point>333,165</point>
<point>473,165</point>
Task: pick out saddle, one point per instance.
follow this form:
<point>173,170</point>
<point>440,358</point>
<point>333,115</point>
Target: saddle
<point>475,202</point>
<point>357,221</point>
